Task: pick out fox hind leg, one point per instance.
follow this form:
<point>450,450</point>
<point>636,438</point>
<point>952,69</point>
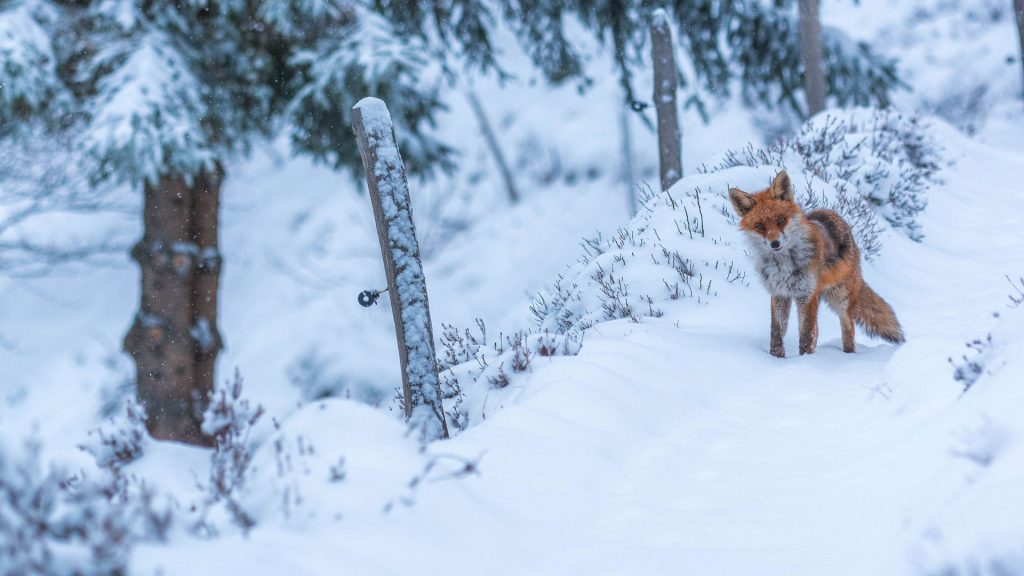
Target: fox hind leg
<point>780,321</point>
<point>838,300</point>
<point>846,323</point>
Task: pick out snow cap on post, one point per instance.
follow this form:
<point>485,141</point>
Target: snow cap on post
<point>659,18</point>
<point>407,287</point>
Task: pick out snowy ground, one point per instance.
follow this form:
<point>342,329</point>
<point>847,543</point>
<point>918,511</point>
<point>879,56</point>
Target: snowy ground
<point>673,445</point>
<point>678,445</point>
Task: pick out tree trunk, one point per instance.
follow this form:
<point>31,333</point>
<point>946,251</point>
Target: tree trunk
<point>492,142</point>
<point>174,340</point>
<point>666,83</point>
<point>1018,9</point>
<point>205,213</point>
<point>813,56</point>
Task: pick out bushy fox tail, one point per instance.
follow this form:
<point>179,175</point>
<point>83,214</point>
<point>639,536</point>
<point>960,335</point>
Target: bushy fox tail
<point>876,317</point>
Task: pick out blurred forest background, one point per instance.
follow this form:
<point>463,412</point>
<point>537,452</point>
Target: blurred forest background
<point>182,197</point>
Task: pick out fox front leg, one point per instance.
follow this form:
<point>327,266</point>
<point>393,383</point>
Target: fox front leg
<point>780,320</point>
<point>808,324</point>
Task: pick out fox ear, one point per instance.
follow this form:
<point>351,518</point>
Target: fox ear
<point>782,187</point>
<point>741,201</point>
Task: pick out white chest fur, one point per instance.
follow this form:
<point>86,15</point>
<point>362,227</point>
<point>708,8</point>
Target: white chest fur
<point>785,272</point>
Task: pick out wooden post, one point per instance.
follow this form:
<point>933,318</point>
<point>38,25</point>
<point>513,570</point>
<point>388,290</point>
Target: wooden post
<point>392,208</point>
<point>492,142</point>
<point>666,83</point>
<point>813,55</point>
<point>1018,10</point>
<point>628,173</point>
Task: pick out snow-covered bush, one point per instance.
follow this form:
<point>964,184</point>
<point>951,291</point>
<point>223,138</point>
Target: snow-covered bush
<point>678,251</point>
<point>28,65</point>
<point>873,161</point>
<point>683,248</point>
<point>121,441</point>
<point>460,346</point>
<point>56,523</point>
<point>678,247</point>
<point>228,419</point>
<point>291,463</point>
<point>470,362</point>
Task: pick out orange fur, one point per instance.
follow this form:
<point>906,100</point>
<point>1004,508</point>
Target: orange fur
<point>809,256</point>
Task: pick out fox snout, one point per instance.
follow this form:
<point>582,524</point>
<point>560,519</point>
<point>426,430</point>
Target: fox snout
<point>774,238</point>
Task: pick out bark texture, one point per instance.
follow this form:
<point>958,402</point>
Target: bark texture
<point>407,287</point>
<point>813,56</point>
<point>174,340</point>
<point>666,84</point>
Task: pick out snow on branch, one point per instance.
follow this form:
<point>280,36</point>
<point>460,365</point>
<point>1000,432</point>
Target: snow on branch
<point>42,182</point>
<point>148,117</point>
<point>28,66</point>
<point>364,54</point>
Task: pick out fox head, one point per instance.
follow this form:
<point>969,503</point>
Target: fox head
<point>768,215</point>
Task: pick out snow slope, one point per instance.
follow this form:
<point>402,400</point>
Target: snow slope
<point>672,445</point>
<point>677,445</point>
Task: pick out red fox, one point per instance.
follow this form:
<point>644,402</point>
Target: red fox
<point>809,256</point>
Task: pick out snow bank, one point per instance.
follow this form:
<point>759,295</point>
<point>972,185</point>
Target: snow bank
<point>978,529</point>
<point>682,250</point>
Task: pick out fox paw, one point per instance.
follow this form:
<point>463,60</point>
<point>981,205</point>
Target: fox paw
<point>807,347</point>
<point>778,352</point>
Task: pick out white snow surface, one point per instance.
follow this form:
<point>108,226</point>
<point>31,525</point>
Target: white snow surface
<point>678,445</point>
<point>672,445</point>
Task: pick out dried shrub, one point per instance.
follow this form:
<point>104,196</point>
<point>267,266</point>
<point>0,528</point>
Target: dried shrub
<point>56,523</point>
<point>121,441</point>
<point>229,420</point>
<point>878,163</point>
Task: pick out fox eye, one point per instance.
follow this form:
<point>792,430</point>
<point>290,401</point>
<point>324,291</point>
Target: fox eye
<point>781,221</point>
<point>759,227</point>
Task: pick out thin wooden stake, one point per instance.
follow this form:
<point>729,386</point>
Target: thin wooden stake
<point>1018,11</point>
<point>407,287</point>
<point>666,82</point>
<point>492,142</point>
<point>628,173</point>
<point>813,56</point>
